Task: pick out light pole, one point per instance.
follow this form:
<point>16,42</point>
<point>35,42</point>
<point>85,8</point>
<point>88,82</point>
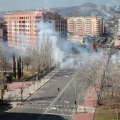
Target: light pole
<point>76,98</point>
<point>22,91</point>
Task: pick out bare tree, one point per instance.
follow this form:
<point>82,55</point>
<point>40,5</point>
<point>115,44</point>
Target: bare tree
<point>41,55</point>
<point>94,74</point>
<point>26,61</point>
<point>3,68</point>
<point>112,80</point>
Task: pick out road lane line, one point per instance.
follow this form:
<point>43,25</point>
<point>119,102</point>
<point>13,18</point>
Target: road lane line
<point>62,91</point>
<point>59,114</point>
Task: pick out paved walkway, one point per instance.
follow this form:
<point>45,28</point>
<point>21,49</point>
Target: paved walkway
<point>87,110</point>
<point>14,93</point>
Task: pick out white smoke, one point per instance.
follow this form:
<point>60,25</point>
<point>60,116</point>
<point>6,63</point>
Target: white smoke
<point>62,50</point>
<point>47,32</point>
<point>116,57</point>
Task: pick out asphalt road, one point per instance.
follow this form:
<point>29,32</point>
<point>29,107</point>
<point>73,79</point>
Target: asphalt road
<point>50,104</point>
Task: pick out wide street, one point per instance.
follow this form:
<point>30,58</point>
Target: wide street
<point>54,101</point>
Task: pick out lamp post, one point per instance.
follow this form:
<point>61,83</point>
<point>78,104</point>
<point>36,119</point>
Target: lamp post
<point>22,91</point>
<point>76,100</point>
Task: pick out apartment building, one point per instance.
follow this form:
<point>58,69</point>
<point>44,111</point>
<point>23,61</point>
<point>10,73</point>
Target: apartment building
<point>24,22</point>
<point>3,29</point>
<point>85,25</point>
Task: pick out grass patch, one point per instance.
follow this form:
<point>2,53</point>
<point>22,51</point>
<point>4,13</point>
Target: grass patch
<point>104,114</point>
<point>27,74</point>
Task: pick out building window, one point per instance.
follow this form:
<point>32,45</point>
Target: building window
<point>44,17</point>
<point>38,17</point>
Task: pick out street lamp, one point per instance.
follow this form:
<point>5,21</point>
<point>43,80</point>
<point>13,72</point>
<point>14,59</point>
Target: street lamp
<point>22,90</point>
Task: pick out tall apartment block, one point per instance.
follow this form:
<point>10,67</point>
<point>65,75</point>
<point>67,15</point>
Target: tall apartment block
<point>3,29</point>
<point>24,22</point>
<point>82,26</point>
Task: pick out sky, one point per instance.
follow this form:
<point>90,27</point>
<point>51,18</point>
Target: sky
<point>6,5</point>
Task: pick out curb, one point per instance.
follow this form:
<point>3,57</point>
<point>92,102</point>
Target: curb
<point>31,93</point>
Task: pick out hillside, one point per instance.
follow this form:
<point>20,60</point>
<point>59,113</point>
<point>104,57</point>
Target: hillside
<point>88,9</point>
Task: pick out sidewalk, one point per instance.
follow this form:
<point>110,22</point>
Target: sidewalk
<point>14,95</point>
<point>87,110</point>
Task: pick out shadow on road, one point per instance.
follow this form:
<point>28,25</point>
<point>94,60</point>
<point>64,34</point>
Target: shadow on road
<point>29,116</point>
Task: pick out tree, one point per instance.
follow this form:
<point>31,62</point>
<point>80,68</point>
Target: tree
<point>112,80</point>
<point>19,68</point>
<point>14,66</point>
<point>3,68</point>
<point>26,61</point>
<point>41,56</point>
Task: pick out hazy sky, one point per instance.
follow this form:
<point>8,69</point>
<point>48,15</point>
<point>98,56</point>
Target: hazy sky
<point>30,4</point>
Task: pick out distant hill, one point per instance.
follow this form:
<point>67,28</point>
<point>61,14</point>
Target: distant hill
<point>2,13</point>
<point>88,9</point>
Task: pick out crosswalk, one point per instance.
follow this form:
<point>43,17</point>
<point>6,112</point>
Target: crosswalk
<point>47,104</point>
<point>43,108</point>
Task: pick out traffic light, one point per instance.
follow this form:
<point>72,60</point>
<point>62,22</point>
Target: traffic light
<point>75,102</point>
<point>58,89</point>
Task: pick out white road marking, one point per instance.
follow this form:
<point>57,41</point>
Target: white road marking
<point>59,114</point>
<point>62,90</point>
